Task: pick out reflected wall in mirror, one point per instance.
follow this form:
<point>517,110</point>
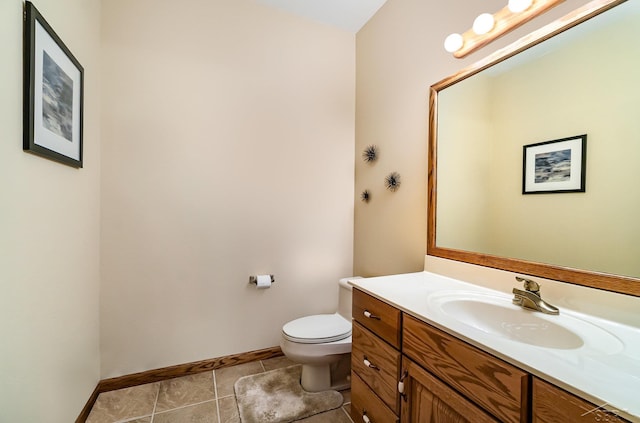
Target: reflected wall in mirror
<point>576,76</point>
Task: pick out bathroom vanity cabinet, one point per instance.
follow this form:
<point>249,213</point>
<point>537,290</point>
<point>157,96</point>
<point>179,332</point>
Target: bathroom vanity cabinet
<point>405,370</point>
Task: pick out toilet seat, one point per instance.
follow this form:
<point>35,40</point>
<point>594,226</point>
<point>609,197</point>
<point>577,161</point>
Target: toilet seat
<point>317,329</point>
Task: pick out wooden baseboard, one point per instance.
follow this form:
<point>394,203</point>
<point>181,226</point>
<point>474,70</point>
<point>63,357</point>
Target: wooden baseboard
<point>187,369</point>
<point>88,406</point>
<point>157,375</point>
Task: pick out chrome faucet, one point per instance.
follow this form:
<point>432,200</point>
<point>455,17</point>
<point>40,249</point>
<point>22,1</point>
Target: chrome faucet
<point>530,297</point>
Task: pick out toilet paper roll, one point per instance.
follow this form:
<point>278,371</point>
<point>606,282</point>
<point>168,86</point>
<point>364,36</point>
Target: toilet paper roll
<point>264,281</point>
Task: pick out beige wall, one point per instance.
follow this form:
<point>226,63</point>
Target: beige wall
<point>399,55</point>
<point>49,236</point>
<point>228,152</point>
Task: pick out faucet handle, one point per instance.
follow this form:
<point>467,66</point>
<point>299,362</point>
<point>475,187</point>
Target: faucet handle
<point>529,285</point>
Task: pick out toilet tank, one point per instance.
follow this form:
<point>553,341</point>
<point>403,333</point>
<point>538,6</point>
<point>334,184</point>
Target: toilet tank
<point>344,297</point>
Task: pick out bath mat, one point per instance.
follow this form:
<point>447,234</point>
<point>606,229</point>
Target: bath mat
<point>277,397</point>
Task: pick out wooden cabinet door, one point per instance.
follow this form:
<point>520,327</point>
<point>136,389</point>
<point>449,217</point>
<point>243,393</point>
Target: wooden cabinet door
<point>428,400</point>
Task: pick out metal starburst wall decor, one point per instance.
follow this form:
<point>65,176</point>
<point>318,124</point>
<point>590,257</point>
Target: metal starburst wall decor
<point>370,154</point>
<point>365,196</point>
<point>392,181</point>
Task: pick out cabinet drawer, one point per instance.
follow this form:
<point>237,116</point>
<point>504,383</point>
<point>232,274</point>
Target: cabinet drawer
<point>496,386</point>
<point>365,402</point>
<point>382,371</point>
<point>377,316</point>
<point>554,405</point>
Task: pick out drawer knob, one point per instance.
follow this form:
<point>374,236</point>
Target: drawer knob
<point>401,384</point>
<point>365,418</point>
<point>370,364</point>
<point>368,314</point>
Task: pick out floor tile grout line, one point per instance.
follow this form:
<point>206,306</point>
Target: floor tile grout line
<point>155,404</point>
<point>227,396</point>
<point>215,385</point>
<point>186,406</point>
<point>345,412</point>
<point>215,392</point>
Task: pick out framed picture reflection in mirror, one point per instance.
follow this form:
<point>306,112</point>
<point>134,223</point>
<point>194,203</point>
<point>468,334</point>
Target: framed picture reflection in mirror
<point>555,166</point>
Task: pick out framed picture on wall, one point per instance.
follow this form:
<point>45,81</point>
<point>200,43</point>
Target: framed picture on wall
<point>555,166</point>
<point>53,93</point>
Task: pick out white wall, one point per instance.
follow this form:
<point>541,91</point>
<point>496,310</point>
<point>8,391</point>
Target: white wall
<point>228,132</point>
<point>49,236</point>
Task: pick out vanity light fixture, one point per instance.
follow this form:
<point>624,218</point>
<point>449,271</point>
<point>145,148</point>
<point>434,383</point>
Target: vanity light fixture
<point>487,27</point>
<point>453,42</point>
<point>483,23</point>
<point>517,6</point>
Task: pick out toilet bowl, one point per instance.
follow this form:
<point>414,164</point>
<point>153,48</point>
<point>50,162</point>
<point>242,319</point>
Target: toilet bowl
<point>322,345</point>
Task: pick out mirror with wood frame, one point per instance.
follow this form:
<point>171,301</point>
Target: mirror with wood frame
<point>500,155</point>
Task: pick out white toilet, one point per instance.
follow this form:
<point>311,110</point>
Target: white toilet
<point>322,344</point>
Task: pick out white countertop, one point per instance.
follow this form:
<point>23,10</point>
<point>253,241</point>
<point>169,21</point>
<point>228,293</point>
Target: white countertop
<point>608,375</point>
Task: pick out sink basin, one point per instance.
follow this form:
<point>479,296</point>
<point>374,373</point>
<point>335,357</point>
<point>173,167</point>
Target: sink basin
<point>497,316</point>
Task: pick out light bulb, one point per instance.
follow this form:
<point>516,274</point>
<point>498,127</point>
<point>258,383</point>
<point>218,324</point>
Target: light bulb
<point>483,23</point>
<point>517,6</point>
<point>453,43</point>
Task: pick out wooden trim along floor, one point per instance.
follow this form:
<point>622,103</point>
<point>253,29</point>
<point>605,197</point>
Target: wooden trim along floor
<point>171,372</point>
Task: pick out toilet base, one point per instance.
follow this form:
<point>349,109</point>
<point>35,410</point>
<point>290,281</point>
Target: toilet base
<point>321,377</point>
<point>316,378</point>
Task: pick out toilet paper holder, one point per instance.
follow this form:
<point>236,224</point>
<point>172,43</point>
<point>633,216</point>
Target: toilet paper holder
<point>254,279</point>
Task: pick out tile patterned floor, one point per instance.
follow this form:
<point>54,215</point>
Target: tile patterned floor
<point>202,398</point>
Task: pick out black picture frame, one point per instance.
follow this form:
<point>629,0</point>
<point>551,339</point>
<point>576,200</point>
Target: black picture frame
<point>556,166</point>
<point>53,93</point>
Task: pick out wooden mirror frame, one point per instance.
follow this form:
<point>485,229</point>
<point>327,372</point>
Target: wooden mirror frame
<point>604,281</point>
